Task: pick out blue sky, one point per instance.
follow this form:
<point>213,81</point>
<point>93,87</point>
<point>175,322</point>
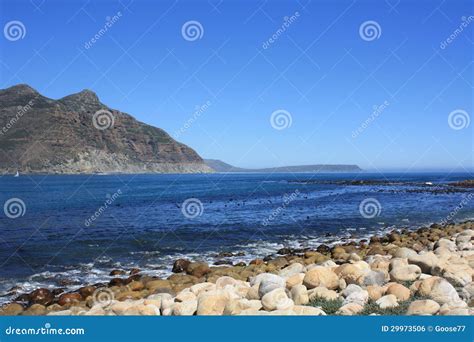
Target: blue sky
<point>319,69</point>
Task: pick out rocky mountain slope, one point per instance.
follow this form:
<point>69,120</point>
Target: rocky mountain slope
<point>79,134</point>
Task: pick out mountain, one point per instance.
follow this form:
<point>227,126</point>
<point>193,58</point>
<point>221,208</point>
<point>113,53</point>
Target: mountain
<point>313,168</point>
<point>220,166</point>
<point>79,134</point>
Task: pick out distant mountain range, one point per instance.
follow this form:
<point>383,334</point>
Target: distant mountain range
<point>220,166</point>
<point>79,134</point>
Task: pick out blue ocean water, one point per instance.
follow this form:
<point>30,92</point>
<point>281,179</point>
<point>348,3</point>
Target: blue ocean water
<point>78,228</point>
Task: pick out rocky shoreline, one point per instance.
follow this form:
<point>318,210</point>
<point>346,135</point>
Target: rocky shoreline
<point>424,272</point>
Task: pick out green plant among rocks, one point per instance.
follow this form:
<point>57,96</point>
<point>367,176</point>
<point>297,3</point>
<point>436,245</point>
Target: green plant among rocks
<point>372,308</point>
<point>407,283</point>
<point>330,307</point>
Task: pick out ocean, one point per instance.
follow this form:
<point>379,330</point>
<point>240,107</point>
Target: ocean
<point>67,231</point>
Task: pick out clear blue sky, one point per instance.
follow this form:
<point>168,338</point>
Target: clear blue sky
<point>319,69</point>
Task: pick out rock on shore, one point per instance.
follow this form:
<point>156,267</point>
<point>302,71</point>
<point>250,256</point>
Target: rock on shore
<point>423,272</point>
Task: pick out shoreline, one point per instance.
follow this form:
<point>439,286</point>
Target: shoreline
<point>365,266</point>
<point>67,280</point>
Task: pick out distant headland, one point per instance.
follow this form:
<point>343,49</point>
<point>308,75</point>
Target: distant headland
<point>220,166</point>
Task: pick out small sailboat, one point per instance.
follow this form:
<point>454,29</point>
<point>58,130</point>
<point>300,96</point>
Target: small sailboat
<point>17,174</point>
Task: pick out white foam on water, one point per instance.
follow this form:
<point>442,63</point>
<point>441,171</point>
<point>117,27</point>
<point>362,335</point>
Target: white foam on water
<point>155,263</point>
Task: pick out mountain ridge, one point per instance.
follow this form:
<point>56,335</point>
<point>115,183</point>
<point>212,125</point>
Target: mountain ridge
<point>220,166</point>
<point>78,134</point>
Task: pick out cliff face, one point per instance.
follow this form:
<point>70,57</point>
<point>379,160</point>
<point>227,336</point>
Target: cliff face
<point>79,134</point>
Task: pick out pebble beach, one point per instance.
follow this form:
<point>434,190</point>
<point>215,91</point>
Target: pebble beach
<point>427,271</point>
